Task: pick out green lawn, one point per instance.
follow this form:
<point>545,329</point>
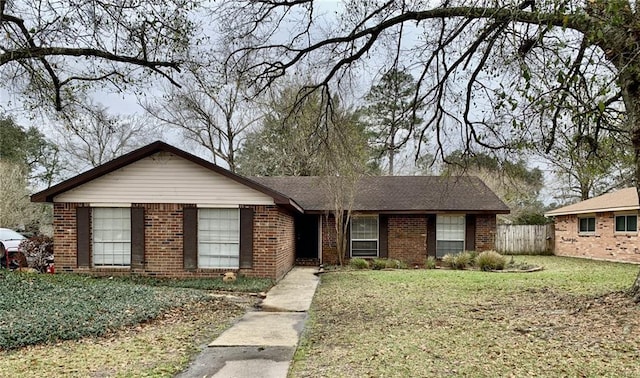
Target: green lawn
<point>569,320</point>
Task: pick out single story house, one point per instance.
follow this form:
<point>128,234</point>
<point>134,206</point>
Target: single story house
<point>604,227</point>
<point>162,211</point>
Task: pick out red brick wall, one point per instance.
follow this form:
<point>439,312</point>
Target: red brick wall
<point>286,247</point>
<point>163,240</point>
<point>603,244</point>
<point>329,244</point>
<point>408,238</point>
<point>273,256</point>
<point>485,232</point>
<point>273,243</point>
<point>65,236</point>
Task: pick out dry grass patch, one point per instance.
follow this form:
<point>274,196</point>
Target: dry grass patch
<point>569,320</point>
<point>159,348</point>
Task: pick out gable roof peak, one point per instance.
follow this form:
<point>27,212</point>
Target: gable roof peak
<point>619,200</point>
<point>47,195</point>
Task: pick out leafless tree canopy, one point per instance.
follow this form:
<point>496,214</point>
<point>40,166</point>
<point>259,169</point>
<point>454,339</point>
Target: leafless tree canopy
<point>49,50</point>
<point>95,137</point>
<point>211,109</point>
<point>479,63</point>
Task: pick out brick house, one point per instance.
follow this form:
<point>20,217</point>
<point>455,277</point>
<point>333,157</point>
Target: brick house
<point>164,212</point>
<point>603,228</point>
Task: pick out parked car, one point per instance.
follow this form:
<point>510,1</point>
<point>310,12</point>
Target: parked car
<point>10,246</point>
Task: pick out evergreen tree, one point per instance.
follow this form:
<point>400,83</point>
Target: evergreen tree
<point>391,114</point>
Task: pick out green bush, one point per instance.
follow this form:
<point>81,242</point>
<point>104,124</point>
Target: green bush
<point>473,255</point>
<point>430,263</point>
<point>457,261</point>
<point>378,264</point>
<point>491,260</point>
<point>359,263</point>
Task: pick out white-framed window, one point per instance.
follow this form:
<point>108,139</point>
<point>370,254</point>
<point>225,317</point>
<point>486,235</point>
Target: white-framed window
<point>111,234</point>
<point>587,225</point>
<point>627,223</point>
<point>450,233</point>
<point>219,238</point>
<point>364,236</point>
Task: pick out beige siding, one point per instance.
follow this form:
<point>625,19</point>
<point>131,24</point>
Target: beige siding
<point>165,178</point>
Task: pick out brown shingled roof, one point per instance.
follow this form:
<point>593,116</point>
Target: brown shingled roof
<point>408,194</point>
<point>621,200</point>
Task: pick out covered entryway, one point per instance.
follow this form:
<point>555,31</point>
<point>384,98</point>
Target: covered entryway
<point>307,239</point>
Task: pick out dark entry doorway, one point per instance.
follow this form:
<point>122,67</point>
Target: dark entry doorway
<point>307,237</point>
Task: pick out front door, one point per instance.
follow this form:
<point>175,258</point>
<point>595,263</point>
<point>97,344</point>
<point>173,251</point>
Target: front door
<point>307,237</point>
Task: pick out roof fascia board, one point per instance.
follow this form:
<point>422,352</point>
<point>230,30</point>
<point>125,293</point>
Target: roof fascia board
<point>416,212</point>
<point>593,211</point>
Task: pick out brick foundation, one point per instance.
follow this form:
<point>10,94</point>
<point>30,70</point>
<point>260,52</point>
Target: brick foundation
<point>603,244</point>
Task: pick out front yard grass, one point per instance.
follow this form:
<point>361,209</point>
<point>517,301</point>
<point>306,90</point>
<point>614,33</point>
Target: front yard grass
<point>570,319</point>
<point>73,325</point>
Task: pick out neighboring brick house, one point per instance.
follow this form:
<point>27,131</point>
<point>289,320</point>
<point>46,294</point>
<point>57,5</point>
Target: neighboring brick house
<point>164,212</point>
<point>603,228</point>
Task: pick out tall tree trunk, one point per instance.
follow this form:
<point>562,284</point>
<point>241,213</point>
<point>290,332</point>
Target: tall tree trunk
<point>630,85</point>
<point>392,148</point>
<point>340,236</point>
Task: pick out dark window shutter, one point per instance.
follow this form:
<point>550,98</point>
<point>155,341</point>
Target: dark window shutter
<point>470,233</point>
<point>137,237</point>
<point>383,238</point>
<point>190,238</point>
<point>246,238</point>
<point>431,235</point>
<point>83,232</point>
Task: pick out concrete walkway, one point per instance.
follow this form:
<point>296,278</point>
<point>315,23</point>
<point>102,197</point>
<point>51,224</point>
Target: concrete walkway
<point>261,343</point>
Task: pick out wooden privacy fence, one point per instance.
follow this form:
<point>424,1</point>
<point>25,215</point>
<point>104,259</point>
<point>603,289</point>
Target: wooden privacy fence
<point>524,239</point>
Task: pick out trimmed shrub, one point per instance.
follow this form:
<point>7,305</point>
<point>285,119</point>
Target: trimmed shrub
<point>359,263</point>
<point>430,263</point>
<point>457,261</point>
<point>491,260</point>
<point>378,264</point>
